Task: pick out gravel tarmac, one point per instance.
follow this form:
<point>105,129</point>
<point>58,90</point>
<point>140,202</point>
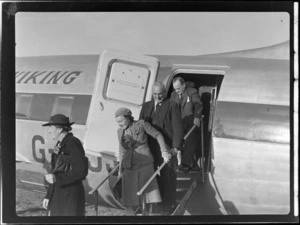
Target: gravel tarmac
<point>29,203</point>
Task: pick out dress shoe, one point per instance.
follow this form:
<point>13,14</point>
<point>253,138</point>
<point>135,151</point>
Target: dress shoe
<point>184,168</point>
<point>168,210</point>
<point>195,168</point>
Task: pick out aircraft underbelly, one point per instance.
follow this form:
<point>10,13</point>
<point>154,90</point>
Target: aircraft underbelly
<point>249,178</point>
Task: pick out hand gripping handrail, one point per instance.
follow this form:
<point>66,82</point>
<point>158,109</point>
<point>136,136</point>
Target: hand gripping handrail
<point>161,166</point>
<point>140,192</point>
<point>102,182</point>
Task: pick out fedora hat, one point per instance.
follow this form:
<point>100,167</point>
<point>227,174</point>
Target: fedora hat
<point>58,119</point>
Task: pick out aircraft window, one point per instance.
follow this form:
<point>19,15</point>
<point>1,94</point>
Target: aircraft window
<point>23,106</point>
<point>127,83</point>
<point>63,105</point>
<point>80,109</point>
<point>41,107</point>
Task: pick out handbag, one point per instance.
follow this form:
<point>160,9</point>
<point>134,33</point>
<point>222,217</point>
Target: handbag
<point>117,189</point>
<point>62,163</point>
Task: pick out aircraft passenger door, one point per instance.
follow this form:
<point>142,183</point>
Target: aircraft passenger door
<point>123,80</point>
<point>207,79</point>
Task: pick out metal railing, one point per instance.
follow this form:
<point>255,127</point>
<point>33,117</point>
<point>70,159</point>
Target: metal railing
<point>202,158</point>
<point>141,191</point>
<point>95,190</point>
<point>150,179</point>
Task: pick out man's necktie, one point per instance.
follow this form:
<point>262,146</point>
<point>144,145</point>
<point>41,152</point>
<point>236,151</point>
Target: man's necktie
<point>157,106</point>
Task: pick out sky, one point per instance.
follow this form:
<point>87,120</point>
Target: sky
<point>167,33</point>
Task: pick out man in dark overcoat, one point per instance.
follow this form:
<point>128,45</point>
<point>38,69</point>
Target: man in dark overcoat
<point>165,117</point>
<point>188,99</point>
<point>65,195</point>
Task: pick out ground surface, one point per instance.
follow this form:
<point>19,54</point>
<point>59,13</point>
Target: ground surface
<point>29,203</point>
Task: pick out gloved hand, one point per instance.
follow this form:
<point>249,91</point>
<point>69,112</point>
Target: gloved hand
<point>197,122</point>
<point>179,158</point>
<point>166,156</point>
<point>45,203</point>
<point>50,178</point>
<point>120,175</point>
<point>174,151</point>
<point>177,152</point>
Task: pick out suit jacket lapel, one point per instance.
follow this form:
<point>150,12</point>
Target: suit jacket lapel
<point>135,130</point>
<point>163,109</point>
<point>150,108</point>
<point>184,98</point>
<point>120,134</point>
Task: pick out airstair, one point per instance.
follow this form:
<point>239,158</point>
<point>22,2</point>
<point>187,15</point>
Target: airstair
<point>185,186</point>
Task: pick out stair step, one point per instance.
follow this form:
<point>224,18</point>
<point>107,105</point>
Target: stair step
<point>150,214</point>
<point>183,178</point>
<point>183,185</point>
<point>188,173</point>
<point>183,196</point>
<point>181,189</point>
<point>180,195</point>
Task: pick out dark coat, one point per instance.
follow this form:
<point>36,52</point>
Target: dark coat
<point>191,108</point>
<point>66,196</point>
<point>167,121</point>
<point>190,103</point>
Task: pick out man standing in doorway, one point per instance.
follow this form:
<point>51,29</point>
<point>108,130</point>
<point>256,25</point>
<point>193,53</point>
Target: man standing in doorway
<point>164,115</point>
<point>188,99</point>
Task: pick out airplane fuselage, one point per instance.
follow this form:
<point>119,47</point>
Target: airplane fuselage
<point>250,123</point>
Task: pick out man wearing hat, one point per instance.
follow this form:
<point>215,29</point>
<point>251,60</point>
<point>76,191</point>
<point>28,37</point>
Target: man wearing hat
<point>65,195</point>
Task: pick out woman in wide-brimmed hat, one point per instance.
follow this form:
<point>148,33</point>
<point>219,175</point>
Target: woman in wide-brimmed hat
<point>65,195</point>
<point>136,160</point>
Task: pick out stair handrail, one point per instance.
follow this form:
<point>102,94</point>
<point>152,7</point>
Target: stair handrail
<point>190,131</point>
<point>102,182</point>
<point>95,190</point>
<point>150,179</point>
<point>202,158</point>
<point>140,192</point>
<point>162,165</point>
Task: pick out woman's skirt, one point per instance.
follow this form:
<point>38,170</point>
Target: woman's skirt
<point>133,180</point>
